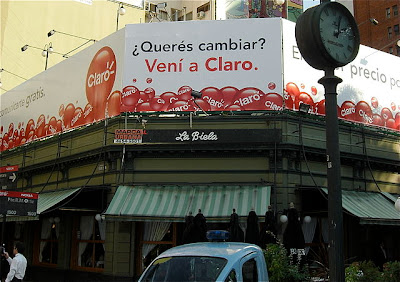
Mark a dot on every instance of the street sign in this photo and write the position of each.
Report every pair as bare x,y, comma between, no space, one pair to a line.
8,177
18,203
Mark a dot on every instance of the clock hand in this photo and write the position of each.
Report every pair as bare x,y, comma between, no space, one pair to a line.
338,27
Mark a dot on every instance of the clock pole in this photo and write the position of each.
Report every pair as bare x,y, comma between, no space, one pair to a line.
335,213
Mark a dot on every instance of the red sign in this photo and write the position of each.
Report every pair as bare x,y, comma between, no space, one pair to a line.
9,168
15,194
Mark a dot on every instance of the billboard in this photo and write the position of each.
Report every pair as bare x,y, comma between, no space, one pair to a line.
369,93
237,65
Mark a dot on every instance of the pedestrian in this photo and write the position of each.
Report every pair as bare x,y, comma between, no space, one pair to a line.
17,264
235,232
252,230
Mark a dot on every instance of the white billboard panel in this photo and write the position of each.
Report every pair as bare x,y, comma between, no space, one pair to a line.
75,92
236,64
369,93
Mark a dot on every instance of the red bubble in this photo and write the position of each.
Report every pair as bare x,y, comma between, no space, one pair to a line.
158,104
233,108
390,123
204,106
180,106
150,92
292,90
320,107
60,126
250,99
184,93
88,114
374,102
386,114
144,107
314,90
228,94
377,120
397,119
68,115
363,112
1,130
271,86
143,97
10,128
114,104
100,80
169,97
129,98
77,118
30,125
305,98
214,98
393,106
52,128
288,101
41,122
149,80
134,80
273,102
348,110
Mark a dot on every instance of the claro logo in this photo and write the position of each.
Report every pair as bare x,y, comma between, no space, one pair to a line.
100,80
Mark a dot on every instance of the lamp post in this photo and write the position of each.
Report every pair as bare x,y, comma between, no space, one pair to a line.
120,11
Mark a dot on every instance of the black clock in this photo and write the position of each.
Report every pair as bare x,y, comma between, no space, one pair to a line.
327,36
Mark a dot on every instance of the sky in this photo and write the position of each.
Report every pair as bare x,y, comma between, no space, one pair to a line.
309,3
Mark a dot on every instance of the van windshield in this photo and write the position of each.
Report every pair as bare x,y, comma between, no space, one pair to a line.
185,269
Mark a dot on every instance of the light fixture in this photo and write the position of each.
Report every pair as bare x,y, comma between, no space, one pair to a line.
283,218
307,219
304,108
52,32
197,95
122,10
279,2
56,219
397,204
100,217
374,21
48,49
371,20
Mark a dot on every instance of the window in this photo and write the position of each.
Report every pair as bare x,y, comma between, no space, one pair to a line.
88,240
390,50
231,277
48,242
163,15
387,13
396,29
249,271
395,10
204,8
389,32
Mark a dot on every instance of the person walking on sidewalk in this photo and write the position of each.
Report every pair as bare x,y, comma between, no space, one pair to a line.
17,264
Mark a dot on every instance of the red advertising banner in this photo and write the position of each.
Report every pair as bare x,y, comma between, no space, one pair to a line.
10,168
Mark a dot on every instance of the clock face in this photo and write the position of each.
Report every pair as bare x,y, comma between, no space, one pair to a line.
339,33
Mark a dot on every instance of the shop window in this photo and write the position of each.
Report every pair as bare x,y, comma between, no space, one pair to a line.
387,13
47,253
88,244
396,29
395,10
156,238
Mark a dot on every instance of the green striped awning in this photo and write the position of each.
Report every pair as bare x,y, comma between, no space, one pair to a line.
149,203
50,199
370,207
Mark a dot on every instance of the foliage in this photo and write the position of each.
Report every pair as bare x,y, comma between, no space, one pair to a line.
280,268
391,271
364,271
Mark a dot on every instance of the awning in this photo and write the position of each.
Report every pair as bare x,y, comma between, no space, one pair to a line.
370,207
48,200
173,203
